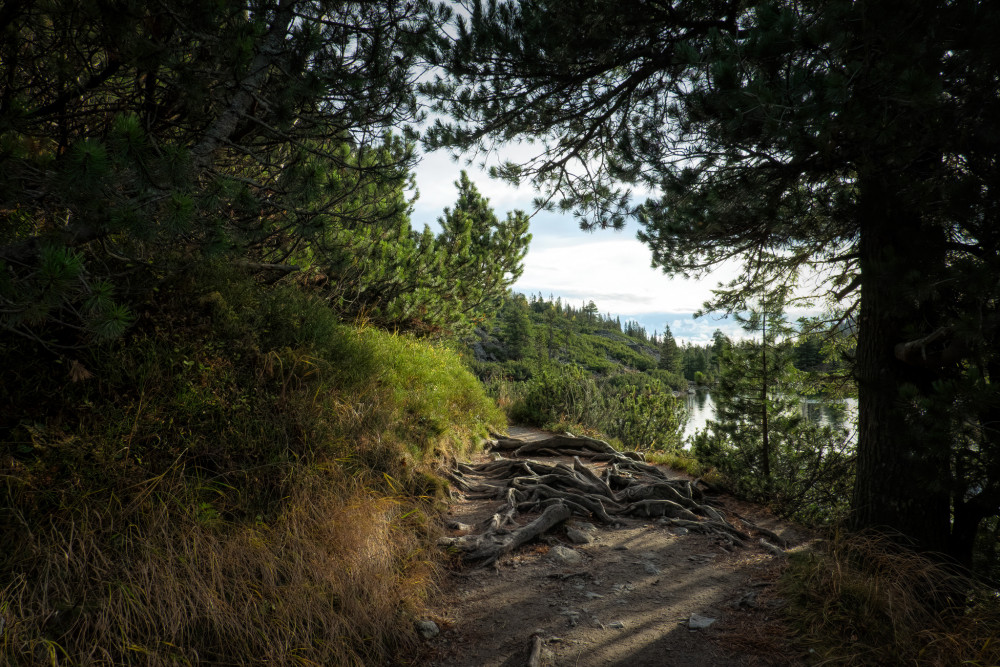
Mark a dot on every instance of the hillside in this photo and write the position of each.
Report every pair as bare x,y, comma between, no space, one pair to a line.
241,479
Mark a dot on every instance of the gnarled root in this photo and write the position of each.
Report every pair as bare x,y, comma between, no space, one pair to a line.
627,487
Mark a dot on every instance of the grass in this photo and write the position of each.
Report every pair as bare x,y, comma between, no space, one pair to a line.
862,600
244,480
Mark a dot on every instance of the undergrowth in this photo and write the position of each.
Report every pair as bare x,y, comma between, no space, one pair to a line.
242,480
862,600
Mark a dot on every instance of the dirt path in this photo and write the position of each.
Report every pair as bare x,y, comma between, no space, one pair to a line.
635,597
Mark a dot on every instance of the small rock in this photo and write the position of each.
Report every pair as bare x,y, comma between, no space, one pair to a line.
650,568
427,629
592,595
617,625
458,525
621,547
573,617
578,536
565,555
680,531
696,622
584,526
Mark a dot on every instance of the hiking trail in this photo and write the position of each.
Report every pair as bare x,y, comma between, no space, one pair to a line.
568,553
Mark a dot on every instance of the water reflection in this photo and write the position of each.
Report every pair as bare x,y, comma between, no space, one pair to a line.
700,408
841,414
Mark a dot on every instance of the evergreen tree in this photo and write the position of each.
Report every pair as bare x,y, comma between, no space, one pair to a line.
137,138
668,352
515,325
759,437
856,135
481,255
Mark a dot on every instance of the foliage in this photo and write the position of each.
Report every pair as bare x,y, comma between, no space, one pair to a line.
636,409
516,327
675,381
668,352
137,138
237,479
647,417
378,270
583,370
130,155
764,446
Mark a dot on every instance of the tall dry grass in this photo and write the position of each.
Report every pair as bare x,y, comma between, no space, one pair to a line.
335,578
864,600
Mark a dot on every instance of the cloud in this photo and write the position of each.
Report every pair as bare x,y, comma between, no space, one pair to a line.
614,272
611,268
436,175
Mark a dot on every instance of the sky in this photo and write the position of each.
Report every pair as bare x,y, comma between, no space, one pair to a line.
611,268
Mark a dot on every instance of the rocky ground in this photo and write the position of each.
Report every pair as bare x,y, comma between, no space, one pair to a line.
637,591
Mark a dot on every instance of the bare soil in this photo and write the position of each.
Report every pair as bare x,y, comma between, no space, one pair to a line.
629,601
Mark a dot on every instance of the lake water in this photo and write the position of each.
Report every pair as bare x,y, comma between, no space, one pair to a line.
839,414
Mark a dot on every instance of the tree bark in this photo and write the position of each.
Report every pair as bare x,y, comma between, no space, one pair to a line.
903,449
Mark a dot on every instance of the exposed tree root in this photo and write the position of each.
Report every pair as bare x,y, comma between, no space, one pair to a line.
627,487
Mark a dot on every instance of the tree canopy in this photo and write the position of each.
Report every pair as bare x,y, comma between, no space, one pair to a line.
854,139
136,136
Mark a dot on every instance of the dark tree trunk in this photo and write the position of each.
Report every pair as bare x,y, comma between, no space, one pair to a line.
968,516
766,453
903,462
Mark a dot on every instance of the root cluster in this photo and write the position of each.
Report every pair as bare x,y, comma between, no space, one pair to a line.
627,487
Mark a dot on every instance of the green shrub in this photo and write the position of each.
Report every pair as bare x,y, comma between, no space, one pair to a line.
675,381
632,407
559,393
812,470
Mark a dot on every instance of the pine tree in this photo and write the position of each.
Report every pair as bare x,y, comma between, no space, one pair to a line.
139,138
759,437
516,328
668,352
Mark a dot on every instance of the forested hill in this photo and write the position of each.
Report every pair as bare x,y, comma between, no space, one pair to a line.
531,332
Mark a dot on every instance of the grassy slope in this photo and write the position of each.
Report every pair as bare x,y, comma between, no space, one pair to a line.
243,480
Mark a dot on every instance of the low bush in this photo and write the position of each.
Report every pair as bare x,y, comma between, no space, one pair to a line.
633,408
812,469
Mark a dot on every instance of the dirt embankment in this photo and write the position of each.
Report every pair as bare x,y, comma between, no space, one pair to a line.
634,590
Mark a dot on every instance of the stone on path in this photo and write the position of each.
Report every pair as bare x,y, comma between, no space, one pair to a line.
650,568
578,536
697,622
565,555
584,526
